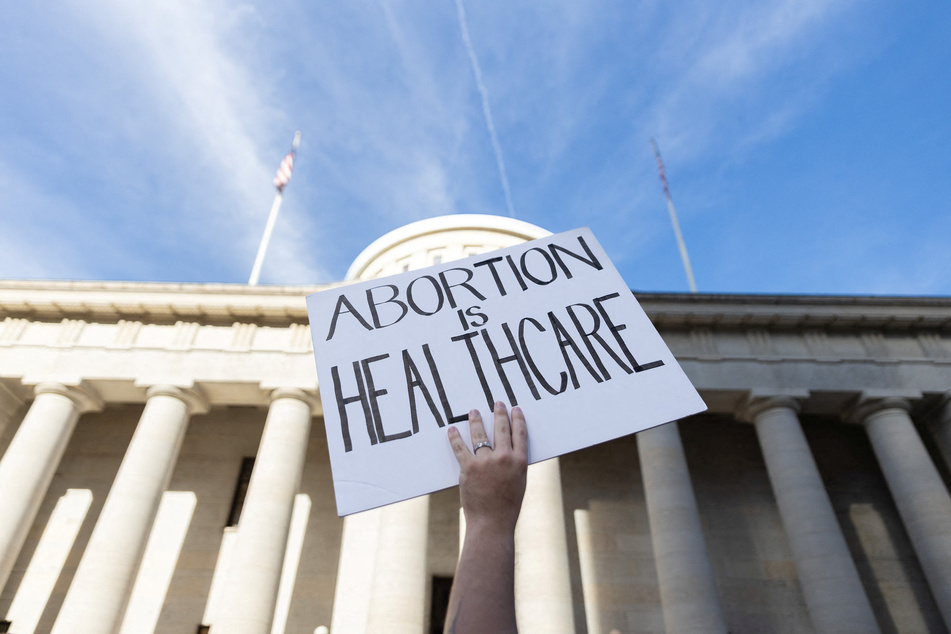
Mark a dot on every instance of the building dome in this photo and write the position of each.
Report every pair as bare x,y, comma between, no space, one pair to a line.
439,239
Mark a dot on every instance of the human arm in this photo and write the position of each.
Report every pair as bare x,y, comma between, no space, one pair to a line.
491,488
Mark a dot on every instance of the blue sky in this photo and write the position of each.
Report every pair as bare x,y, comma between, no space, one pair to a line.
807,143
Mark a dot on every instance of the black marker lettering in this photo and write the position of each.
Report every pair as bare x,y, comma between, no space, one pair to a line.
412,302
616,329
551,267
413,382
447,287
342,301
342,403
518,276
557,250
373,394
441,389
481,318
564,342
531,362
495,274
593,334
477,365
500,362
392,300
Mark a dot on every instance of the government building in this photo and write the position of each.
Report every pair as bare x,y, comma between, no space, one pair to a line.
164,468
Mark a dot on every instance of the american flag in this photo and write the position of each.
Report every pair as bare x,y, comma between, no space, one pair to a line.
660,169
283,175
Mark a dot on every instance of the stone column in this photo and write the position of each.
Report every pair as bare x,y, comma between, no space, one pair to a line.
254,572
361,532
688,589
398,588
31,460
101,587
919,493
543,601
830,582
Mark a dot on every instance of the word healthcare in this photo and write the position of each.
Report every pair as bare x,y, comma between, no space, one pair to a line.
548,325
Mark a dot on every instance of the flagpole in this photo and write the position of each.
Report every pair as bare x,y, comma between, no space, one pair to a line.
272,217
265,240
673,219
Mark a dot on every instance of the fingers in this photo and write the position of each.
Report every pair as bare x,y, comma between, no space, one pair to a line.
476,429
508,434
519,432
503,431
459,447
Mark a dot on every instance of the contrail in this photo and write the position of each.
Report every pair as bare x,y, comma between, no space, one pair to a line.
485,106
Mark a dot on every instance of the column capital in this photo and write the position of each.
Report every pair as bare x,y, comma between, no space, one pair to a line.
311,400
193,398
82,394
867,405
757,402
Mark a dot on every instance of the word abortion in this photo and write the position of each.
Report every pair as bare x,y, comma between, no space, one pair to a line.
427,295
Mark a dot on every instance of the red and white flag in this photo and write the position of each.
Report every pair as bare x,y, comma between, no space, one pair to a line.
283,175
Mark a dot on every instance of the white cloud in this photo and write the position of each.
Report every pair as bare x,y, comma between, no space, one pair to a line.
486,107
194,58
735,54
762,37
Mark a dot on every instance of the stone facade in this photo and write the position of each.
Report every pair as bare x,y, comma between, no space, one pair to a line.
811,497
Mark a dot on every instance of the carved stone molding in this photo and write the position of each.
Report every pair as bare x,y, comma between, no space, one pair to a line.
757,402
193,397
868,405
83,394
312,400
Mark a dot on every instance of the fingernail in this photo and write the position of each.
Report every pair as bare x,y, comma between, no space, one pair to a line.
499,405
517,409
473,413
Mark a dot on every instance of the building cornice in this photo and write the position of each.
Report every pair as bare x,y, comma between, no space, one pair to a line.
276,305
797,312
156,302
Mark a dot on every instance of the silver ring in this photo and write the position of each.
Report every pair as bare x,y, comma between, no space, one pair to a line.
484,443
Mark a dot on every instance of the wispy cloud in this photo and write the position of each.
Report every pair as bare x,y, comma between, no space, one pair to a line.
190,58
486,110
732,57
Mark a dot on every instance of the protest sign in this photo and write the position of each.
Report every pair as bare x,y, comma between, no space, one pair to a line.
548,325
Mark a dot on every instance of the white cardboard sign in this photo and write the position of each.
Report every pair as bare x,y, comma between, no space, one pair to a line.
548,325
